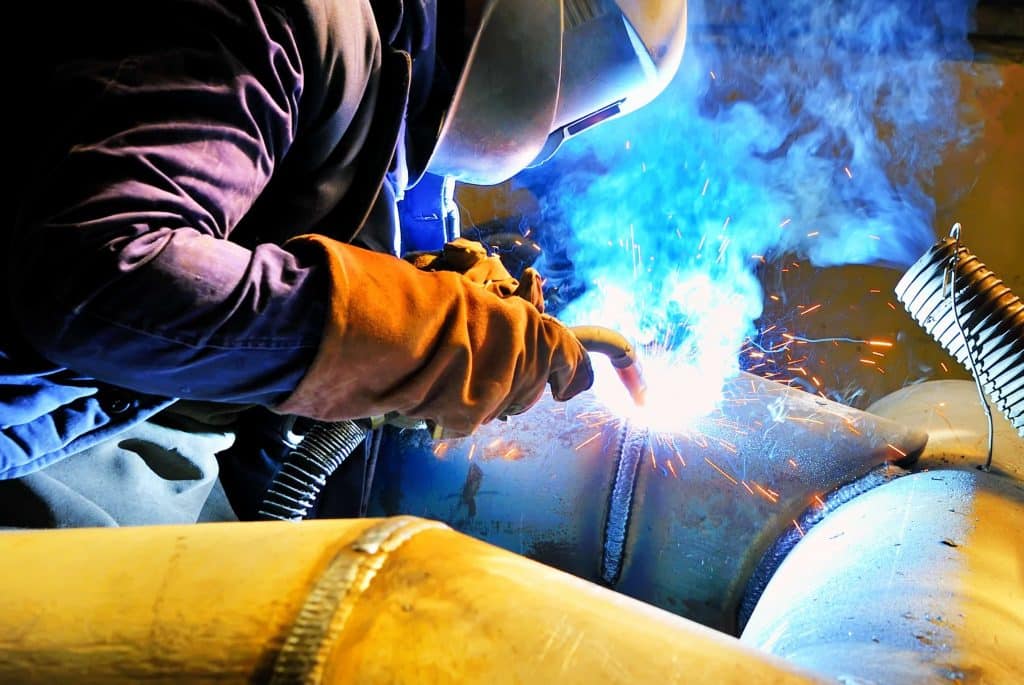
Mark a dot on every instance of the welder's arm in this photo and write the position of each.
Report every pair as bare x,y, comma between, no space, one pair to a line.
429,345
124,265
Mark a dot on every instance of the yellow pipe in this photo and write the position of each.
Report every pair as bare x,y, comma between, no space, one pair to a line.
342,601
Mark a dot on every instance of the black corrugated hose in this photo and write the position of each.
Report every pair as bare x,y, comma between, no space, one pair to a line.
970,312
297,485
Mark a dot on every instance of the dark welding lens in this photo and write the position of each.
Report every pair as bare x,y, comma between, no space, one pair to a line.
564,133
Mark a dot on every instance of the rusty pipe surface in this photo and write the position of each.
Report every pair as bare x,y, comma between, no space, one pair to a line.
678,519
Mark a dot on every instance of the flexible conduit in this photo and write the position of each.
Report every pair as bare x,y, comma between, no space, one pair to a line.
984,331
306,468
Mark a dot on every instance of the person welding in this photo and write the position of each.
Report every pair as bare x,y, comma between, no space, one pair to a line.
206,231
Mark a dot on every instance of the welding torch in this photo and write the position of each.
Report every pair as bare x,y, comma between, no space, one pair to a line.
327,445
620,352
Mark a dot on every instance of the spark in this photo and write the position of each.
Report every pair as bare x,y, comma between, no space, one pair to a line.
896,449
810,309
849,174
728,445
472,449
798,528
721,250
587,441
717,468
805,419
767,494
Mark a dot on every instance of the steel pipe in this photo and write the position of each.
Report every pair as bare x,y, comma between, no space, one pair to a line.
357,601
678,519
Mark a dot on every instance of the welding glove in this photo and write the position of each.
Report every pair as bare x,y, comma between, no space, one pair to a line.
470,259
430,345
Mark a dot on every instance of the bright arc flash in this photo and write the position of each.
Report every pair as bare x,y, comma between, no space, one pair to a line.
678,393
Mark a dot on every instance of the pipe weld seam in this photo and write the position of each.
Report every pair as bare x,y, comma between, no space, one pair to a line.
620,502
321,618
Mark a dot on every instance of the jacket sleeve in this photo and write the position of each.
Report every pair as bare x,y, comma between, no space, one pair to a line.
123,264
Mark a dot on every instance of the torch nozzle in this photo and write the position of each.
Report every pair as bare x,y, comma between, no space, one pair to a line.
621,354
633,378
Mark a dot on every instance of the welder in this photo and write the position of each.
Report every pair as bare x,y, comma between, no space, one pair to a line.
205,237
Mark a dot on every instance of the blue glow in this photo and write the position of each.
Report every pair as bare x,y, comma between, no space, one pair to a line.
794,127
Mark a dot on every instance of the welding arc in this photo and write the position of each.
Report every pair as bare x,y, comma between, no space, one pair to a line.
981,325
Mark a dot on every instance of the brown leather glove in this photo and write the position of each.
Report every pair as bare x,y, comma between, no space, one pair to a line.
470,259
431,345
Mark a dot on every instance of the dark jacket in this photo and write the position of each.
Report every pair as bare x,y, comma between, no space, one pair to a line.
168,149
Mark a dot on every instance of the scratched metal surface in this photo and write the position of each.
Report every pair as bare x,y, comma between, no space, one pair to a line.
703,504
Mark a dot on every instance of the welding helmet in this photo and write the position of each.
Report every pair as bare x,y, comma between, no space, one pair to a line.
540,71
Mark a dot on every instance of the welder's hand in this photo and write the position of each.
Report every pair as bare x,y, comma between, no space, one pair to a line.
470,259
431,345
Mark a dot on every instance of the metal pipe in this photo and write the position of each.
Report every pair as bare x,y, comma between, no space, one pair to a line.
343,601
679,519
916,581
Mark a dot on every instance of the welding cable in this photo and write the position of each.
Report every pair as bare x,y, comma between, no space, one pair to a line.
620,352
974,317
304,473
950,276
